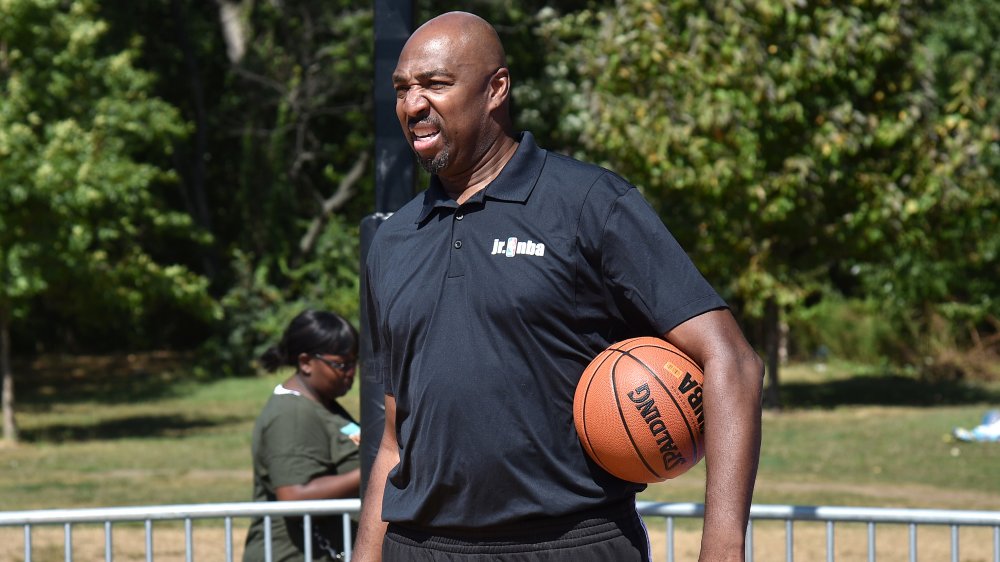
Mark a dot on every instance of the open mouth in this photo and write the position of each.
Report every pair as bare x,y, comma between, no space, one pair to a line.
424,137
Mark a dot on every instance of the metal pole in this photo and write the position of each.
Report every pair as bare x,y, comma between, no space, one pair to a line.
149,540
27,543
107,542
229,539
69,542
394,187
789,542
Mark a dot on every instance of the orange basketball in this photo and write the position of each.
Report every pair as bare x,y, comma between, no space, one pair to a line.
638,410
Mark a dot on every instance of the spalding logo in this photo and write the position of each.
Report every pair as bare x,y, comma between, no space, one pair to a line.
644,402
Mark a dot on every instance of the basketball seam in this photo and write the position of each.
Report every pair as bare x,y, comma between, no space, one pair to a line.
621,415
694,443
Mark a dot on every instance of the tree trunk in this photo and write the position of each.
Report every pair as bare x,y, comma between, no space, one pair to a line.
9,425
198,201
772,340
343,194
234,30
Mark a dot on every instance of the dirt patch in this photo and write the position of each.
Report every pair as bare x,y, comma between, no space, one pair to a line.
128,542
850,542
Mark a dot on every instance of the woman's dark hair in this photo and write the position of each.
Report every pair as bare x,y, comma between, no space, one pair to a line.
312,332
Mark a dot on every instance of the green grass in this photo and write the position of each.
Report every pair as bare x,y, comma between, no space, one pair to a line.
137,437
852,435
121,434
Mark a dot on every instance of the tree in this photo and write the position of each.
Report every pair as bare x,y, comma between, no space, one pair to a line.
784,141
938,268
80,146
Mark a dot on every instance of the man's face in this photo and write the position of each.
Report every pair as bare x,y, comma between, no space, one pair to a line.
441,103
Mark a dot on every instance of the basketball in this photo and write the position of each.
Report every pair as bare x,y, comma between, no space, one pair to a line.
638,410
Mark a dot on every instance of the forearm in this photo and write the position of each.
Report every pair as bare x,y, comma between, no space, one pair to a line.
333,486
732,391
372,528
732,443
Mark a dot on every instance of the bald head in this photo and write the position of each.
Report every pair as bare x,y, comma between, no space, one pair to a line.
468,34
452,98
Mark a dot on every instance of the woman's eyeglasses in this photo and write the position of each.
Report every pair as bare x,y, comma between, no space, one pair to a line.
336,365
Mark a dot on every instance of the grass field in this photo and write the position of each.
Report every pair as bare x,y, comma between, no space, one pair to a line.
139,431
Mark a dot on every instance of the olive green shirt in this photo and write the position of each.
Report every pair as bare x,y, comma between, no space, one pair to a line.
294,441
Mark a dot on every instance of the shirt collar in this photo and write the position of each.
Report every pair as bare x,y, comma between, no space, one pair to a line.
515,182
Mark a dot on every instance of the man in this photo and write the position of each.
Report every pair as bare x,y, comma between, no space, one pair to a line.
489,295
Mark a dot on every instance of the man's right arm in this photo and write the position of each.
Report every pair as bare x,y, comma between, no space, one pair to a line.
372,529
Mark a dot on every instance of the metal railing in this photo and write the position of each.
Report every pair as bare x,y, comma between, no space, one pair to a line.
186,513
872,517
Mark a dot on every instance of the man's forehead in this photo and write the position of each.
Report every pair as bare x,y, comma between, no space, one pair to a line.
433,57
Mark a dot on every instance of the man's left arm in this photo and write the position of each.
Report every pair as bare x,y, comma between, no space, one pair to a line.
732,401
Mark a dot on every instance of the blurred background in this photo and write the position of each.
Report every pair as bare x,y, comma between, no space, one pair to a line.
178,178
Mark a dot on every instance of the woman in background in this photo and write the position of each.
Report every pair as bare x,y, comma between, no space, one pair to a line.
305,444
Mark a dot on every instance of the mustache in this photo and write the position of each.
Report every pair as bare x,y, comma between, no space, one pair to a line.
414,121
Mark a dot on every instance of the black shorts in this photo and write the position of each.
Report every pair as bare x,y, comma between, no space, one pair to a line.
615,535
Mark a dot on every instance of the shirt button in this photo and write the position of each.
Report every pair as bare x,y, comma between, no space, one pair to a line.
459,216
458,244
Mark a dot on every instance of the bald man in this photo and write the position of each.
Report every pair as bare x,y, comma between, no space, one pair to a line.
489,293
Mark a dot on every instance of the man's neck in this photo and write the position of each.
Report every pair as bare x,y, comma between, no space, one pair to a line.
463,186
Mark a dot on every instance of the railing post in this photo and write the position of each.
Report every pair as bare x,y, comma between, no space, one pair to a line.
996,543
670,539
149,540
348,543
108,550
307,537
954,543
68,541
27,543
789,541
229,539
829,542
268,557
188,541
871,542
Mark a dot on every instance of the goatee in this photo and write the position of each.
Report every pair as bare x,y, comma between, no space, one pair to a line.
435,164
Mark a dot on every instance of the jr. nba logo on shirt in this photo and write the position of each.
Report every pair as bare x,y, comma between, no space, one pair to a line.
514,247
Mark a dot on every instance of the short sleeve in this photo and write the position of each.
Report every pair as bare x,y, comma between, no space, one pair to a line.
646,268
296,448
376,366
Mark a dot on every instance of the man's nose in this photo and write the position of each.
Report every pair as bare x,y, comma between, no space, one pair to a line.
414,102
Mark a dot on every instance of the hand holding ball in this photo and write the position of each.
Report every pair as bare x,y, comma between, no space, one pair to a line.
638,410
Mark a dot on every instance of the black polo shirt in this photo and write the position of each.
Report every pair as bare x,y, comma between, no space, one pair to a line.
485,315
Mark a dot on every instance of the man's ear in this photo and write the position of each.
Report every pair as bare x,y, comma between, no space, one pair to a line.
499,90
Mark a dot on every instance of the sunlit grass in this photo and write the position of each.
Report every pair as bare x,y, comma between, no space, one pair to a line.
170,437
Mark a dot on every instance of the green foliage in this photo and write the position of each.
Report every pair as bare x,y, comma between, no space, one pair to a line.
799,149
297,111
81,149
835,328
939,259
268,295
